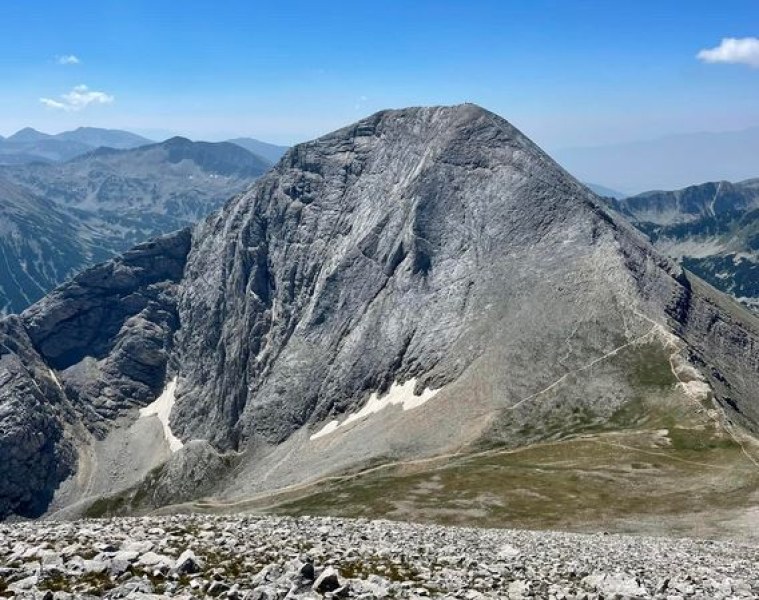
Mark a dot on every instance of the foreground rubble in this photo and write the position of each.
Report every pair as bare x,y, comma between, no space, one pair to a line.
272,558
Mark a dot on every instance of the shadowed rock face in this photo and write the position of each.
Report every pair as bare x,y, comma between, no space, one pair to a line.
108,335
35,455
437,244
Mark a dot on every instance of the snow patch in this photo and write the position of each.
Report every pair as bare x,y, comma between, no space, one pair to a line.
398,394
326,430
54,377
161,408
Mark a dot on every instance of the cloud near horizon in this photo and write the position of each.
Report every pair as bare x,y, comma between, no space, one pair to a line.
77,99
742,51
67,59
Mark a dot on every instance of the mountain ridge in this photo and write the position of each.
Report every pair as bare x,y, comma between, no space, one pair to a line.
271,152
29,145
433,249
711,228
110,200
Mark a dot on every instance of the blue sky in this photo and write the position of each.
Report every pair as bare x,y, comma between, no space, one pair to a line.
566,72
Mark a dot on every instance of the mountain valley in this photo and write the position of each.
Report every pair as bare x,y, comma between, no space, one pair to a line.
712,229
61,218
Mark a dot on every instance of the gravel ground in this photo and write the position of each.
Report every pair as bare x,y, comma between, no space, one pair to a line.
276,557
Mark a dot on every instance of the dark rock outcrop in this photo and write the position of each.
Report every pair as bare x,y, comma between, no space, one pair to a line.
85,354
36,456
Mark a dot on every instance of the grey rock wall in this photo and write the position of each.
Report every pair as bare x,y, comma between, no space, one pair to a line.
435,244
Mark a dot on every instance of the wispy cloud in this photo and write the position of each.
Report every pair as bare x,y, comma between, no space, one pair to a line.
743,51
360,102
67,59
77,99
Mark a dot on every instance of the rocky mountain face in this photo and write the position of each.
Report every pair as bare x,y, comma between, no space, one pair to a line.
61,218
712,229
426,282
29,145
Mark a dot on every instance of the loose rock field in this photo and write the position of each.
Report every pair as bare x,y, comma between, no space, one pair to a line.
275,558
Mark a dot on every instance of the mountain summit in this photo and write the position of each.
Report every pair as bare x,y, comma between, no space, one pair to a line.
28,134
425,282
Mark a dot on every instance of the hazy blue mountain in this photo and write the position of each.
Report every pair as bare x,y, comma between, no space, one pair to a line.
604,191
667,163
112,138
15,150
712,229
270,152
29,145
59,218
28,134
21,158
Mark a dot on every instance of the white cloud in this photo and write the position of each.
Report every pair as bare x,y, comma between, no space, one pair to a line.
77,99
52,103
744,51
67,59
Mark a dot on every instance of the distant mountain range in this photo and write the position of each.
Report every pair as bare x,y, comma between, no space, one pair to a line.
270,152
712,229
58,218
667,163
602,190
29,145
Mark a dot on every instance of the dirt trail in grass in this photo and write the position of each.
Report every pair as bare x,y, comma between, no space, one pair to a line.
667,455
461,454
591,364
213,504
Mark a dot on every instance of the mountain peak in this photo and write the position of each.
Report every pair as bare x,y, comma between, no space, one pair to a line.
422,280
177,140
455,113
97,137
476,129
464,135
28,134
